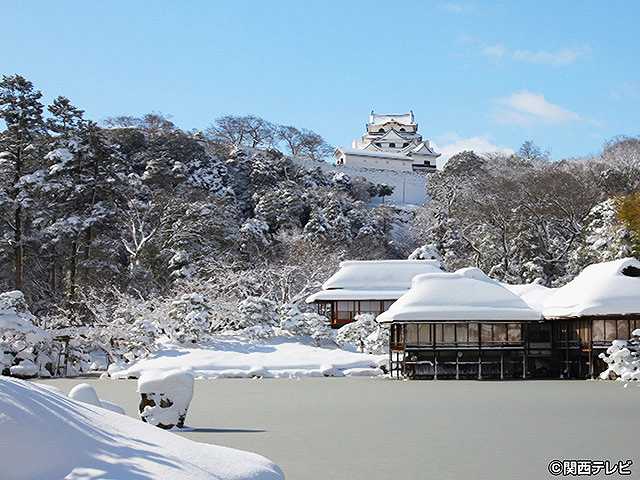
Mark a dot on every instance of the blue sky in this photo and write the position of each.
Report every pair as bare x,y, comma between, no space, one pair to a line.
480,75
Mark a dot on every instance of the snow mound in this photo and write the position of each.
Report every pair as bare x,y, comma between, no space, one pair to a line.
608,288
47,435
467,294
234,357
83,392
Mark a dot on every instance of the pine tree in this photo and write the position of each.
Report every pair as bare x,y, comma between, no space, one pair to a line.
21,110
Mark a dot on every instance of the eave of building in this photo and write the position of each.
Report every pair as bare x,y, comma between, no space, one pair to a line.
392,135
377,154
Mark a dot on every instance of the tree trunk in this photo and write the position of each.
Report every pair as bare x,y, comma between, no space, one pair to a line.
18,250
73,270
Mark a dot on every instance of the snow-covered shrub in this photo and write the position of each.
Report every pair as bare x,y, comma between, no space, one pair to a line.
426,252
24,348
364,335
256,318
188,320
298,323
166,396
623,359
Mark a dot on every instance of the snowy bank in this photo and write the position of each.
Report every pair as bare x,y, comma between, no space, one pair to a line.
235,357
47,435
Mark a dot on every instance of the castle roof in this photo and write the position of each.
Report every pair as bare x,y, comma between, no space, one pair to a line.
382,118
374,153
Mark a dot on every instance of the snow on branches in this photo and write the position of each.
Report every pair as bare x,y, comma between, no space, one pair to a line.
623,359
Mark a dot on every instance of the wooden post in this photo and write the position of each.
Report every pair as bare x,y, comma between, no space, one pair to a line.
592,367
479,351
435,366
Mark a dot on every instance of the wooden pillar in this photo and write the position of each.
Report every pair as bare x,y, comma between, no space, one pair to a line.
525,347
435,366
591,366
392,332
479,351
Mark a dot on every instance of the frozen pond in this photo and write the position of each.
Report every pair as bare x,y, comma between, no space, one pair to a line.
379,429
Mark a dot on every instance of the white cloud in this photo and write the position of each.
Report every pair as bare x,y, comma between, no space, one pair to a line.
453,143
454,7
495,51
527,108
557,58
561,57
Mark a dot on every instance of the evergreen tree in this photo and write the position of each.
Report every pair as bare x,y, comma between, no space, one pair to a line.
21,110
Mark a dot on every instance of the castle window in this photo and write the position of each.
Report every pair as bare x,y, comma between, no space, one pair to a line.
381,130
392,145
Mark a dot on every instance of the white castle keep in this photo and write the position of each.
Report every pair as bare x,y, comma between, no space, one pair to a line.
391,142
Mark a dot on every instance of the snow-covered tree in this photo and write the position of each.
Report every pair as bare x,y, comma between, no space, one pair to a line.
623,359
295,322
364,334
21,111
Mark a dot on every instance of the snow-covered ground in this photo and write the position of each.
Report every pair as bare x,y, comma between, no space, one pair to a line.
234,357
46,435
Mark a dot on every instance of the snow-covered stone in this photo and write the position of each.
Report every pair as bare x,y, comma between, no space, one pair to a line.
166,395
83,392
25,369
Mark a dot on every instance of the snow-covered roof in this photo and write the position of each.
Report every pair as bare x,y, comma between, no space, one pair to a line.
467,294
373,279
423,149
609,288
382,118
533,294
354,294
394,136
369,153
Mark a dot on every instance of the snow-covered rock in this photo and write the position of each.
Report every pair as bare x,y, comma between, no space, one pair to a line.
166,395
25,369
83,392
45,435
